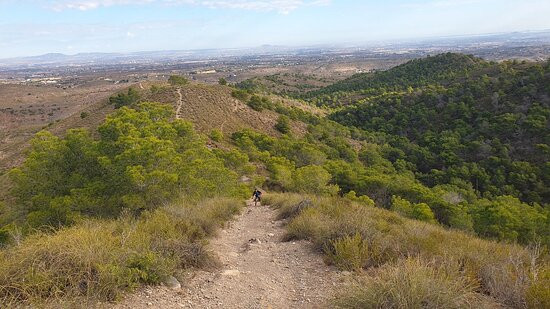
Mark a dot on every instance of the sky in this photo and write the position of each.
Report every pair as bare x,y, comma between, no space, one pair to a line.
33,27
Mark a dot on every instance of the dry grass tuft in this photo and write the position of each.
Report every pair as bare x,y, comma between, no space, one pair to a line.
98,260
411,283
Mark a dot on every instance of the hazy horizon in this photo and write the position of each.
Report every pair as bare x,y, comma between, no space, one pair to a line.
31,28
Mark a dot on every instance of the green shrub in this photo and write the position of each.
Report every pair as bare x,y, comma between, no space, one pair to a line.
4,236
216,135
420,211
282,176
222,81
313,179
256,103
507,218
363,199
84,115
283,124
177,80
240,94
125,99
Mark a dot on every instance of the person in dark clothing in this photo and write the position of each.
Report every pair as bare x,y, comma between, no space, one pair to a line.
257,196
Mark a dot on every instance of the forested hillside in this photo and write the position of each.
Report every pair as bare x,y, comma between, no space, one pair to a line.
450,138
489,131
419,72
478,129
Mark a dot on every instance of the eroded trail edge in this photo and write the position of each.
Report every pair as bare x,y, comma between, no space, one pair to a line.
259,271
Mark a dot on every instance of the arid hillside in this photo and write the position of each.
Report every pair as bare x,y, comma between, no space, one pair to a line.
211,107
26,109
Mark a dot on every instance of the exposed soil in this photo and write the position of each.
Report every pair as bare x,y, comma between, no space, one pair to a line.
259,271
211,107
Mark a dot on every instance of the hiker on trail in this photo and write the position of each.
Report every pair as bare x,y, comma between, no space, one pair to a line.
257,196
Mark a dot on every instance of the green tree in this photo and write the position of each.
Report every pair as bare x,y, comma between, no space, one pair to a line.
125,99
507,218
313,179
178,80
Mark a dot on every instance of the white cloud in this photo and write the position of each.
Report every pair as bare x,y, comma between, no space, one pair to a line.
281,6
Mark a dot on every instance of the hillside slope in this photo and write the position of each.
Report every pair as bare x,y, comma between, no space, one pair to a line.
435,69
211,107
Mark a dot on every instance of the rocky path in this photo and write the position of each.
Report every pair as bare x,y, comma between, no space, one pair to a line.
259,271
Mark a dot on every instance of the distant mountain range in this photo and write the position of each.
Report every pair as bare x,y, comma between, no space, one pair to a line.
450,43
144,56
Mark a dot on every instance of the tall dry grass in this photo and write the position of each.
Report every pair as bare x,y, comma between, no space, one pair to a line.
412,283
99,260
355,236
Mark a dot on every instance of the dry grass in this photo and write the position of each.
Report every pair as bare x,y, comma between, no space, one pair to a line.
212,107
412,283
98,260
349,252
352,234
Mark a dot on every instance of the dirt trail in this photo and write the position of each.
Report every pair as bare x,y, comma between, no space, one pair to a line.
259,271
179,104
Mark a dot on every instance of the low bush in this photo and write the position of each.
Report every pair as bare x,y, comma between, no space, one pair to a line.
99,259
349,252
216,135
258,103
239,94
283,124
124,99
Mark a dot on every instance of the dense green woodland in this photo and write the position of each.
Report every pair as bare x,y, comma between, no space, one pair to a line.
415,73
487,127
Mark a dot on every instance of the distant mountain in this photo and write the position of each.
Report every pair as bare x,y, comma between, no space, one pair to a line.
526,44
142,57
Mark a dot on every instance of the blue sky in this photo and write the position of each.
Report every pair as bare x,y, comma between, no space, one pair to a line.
32,27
